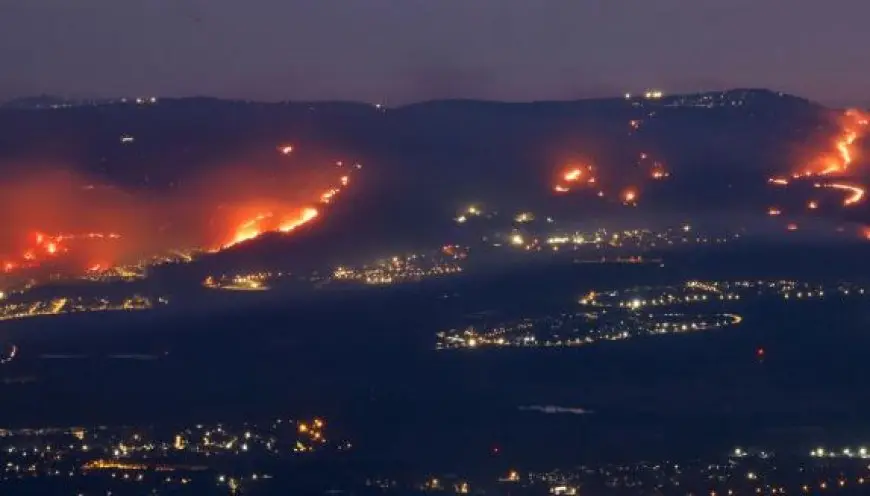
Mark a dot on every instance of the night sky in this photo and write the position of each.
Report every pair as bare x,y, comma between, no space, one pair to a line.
407,50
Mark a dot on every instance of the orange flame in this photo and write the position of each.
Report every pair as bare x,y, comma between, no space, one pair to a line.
856,193
853,126
264,222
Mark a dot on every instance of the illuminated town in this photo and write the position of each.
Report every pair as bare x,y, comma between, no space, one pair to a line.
613,315
238,458
532,232
57,306
742,471
202,456
408,268
247,282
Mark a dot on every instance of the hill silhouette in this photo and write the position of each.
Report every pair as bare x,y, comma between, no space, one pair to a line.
426,160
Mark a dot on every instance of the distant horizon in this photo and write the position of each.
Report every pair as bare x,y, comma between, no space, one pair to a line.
416,50
387,103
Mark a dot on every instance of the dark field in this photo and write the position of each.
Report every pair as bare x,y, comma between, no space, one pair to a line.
364,360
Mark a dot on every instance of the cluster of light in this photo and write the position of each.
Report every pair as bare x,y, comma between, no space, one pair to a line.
656,168
310,433
524,217
112,465
9,355
706,291
470,211
12,311
156,454
245,282
522,334
861,452
601,239
659,173
623,314
400,269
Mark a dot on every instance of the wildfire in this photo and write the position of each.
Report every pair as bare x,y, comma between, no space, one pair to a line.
307,215
853,126
838,161
576,176
573,175
282,222
44,247
227,206
249,229
629,197
856,193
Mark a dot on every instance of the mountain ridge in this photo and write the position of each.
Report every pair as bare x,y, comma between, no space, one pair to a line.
47,101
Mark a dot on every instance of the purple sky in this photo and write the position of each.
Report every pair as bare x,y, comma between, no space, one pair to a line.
405,50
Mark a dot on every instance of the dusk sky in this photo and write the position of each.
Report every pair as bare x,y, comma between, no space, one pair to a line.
407,50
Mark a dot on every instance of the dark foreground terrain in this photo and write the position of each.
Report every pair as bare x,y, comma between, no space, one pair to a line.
365,360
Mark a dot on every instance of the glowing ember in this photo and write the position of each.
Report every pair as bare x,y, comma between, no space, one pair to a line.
856,193
573,175
658,171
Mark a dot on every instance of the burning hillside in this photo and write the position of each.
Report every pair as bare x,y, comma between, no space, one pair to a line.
62,222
